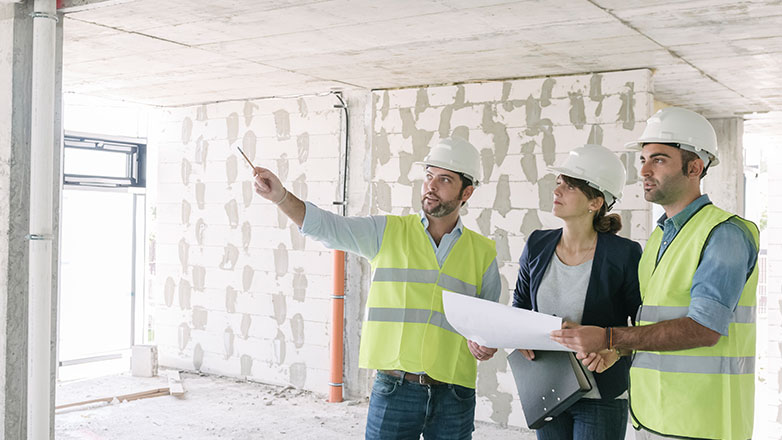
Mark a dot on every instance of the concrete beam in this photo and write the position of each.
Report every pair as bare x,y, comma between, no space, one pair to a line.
66,6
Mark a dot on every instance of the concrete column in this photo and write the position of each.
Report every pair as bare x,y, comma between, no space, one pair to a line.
771,416
725,182
17,26
357,269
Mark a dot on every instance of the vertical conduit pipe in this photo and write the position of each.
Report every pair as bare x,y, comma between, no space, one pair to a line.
338,296
39,394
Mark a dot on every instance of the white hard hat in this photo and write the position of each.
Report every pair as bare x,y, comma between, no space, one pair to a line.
599,167
674,125
457,155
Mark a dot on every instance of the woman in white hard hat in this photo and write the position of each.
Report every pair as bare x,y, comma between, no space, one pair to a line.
586,274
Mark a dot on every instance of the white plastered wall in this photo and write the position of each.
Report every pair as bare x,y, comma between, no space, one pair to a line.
234,287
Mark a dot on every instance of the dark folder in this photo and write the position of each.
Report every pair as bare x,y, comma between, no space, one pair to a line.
548,385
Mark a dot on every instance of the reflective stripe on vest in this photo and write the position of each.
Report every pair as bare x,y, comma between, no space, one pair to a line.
742,315
412,316
446,281
694,364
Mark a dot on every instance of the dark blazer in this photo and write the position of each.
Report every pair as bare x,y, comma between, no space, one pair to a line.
612,295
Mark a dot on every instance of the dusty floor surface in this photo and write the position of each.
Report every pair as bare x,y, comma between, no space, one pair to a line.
216,408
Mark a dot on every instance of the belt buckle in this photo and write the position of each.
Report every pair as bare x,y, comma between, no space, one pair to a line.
422,379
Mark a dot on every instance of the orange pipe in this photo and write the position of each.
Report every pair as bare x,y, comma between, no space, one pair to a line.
337,327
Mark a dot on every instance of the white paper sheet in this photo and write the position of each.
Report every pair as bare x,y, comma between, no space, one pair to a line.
499,326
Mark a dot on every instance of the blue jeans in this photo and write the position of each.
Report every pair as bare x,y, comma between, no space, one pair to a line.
399,409
588,419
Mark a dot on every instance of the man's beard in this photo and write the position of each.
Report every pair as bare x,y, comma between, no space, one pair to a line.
443,208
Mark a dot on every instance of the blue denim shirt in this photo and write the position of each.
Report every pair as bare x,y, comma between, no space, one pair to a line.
728,260
364,235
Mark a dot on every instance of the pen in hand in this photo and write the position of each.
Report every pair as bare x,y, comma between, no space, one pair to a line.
246,158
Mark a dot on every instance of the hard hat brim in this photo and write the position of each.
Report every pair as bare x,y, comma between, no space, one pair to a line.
447,166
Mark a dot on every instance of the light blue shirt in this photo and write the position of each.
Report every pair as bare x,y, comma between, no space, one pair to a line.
728,260
364,235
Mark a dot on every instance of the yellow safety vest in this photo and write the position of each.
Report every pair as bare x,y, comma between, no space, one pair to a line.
405,327
705,392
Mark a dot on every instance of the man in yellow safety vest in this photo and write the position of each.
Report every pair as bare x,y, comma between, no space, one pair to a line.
693,373
425,382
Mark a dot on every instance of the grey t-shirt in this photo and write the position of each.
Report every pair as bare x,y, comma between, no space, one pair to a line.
562,292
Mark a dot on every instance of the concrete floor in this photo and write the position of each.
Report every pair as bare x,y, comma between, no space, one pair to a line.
217,408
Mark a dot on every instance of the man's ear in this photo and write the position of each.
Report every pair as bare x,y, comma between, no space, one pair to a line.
695,168
467,192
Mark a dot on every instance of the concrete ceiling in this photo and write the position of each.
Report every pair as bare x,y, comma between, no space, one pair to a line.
719,57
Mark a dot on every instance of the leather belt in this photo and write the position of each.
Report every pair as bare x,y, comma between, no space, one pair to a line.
421,379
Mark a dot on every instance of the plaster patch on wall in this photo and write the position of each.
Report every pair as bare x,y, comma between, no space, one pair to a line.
199,278
183,336
280,260
280,308
187,130
502,196
385,106
595,135
283,167
445,121
506,88
200,227
298,241
200,316
627,223
577,110
244,327
232,211
228,342
246,362
298,374
249,108
247,278
232,127
545,91
230,299
498,132
186,209
484,222
184,253
303,146
247,231
201,115
231,169
529,164
381,149
533,111
487,162
629,161
503,248
530,223
200,190
302,103
626,111
546,187
420,138
250,145
548,145
462,131
198,357
300,187
247,193
299,284
421,101
382,193
282,123
278,347
406,161
596,92
230,256
488,386
415,195
201,151
297,330
186,171
168,292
